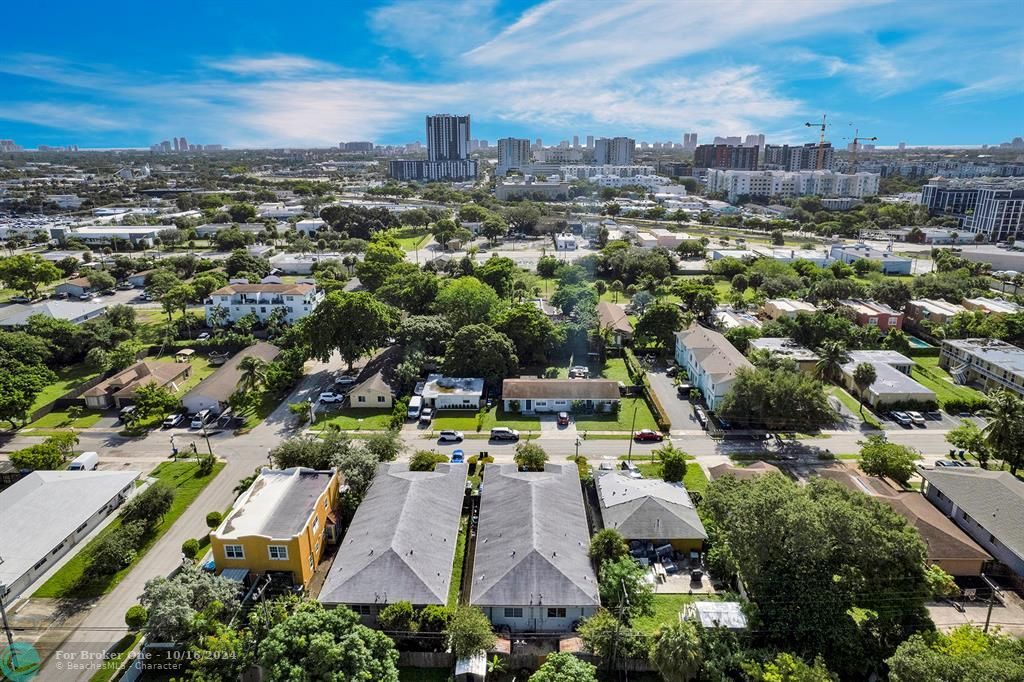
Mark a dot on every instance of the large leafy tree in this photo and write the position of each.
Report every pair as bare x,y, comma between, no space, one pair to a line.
858,564
382,257
962,655
352,323
20,384
1004,432
477,350
607,545
624,589
879,457
314,643
429,333
969,437
173,603
26,272
499,273
465,301
564,667
530,330
469,631
154,399
530,456
779,399
409,288
659,324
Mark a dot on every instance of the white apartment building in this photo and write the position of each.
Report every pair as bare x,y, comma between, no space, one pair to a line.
262,299
989,363
648,182
513,154
581,172
767,183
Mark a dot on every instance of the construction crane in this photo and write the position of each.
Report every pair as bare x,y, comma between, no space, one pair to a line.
821,143
856,142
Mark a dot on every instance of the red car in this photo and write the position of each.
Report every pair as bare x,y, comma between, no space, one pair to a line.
647,434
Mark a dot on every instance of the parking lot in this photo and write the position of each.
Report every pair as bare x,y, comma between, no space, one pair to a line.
932,420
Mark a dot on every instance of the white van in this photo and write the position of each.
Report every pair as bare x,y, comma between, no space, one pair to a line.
86,461
415,405
201,418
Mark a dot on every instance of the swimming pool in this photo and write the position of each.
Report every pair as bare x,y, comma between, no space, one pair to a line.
917,343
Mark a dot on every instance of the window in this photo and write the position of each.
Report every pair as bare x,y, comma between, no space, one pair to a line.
316,523
516,612
325,502
380,399
556,612
316,547
363,609
361,399
311,562
234,552
278,552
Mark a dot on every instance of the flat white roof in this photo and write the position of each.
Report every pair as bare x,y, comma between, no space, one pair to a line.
41,510
437,385
276,505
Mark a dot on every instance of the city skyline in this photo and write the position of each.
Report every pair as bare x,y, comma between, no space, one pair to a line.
521,69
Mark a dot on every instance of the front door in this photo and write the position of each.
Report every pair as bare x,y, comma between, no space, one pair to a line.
529,406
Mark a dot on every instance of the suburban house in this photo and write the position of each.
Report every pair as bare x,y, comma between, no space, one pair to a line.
710,361
786,307
215,391
889,262
296,300
138,280
650,510
612,317
75,312
74,287
401,543
727,318
559,395
992,306
56,511
310,226
987,505
946,545
873,314
372,392
452,393
931,310
281,525
531,569
893,383
743,473
782,347
120,389
990,363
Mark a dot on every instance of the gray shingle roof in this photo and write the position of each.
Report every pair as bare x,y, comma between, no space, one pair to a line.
713,351
223,382
532,540
401,543
995,499
648,508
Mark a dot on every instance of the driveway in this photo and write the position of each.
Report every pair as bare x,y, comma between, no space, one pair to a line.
680,412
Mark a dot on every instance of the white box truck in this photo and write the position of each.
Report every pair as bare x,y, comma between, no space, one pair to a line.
87,461
415,405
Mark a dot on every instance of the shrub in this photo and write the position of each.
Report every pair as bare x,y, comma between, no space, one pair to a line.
972,405
117,549
425,460
149,506
136,617
660,415
399,413
673,465
397,617
213,519
190,548
206,465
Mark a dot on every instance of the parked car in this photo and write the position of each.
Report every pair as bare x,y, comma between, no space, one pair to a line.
173,420
331,397
20,299
683,391
916,418
345,380
579,372
450,437
203,337
125,286
458,457
87,296
648,435
672,371
126,413
201,418
563,418
87,461
606,466
426,415
902,418
702,418
504,433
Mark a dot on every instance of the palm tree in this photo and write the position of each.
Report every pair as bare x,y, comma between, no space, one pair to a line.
831,358
864,375
677,652
617,289
253,373
1004,431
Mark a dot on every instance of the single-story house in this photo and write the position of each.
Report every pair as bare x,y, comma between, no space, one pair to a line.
559,395
893,383
214,391
786,307
987,505
650,510
372,392
452,393
120,389
74,287
531,570
612,316
55,510
805,358
401,543
75,312
138,279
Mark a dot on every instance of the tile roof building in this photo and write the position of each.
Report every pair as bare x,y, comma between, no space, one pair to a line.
613,317
401,543
531,570
120,389
650,510
710,361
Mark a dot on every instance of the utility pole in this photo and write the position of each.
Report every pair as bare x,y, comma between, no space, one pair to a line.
991,599
632,427
7,627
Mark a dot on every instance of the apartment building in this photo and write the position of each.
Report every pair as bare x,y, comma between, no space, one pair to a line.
786,307
262,300
710,360
990,363
889,262
991,207
873,314
930,310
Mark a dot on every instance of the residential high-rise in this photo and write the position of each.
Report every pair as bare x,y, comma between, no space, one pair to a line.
993,208
513,154
755,140
182,144
806,157
689,141
357,147
733,140
447,137
725,156
590,141
616,151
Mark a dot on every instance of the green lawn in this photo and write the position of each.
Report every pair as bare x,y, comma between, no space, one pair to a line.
926,371
666,610
466,420
67,379
201,368
459,564
411,238
72,579
853,405
59,419
620,422
695,478
354,419
115,657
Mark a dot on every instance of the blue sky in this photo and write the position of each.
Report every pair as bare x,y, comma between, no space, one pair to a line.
261,74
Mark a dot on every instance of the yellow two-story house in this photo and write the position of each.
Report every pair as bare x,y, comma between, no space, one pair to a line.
282,524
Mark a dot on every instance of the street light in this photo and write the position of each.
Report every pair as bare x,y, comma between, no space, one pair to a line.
578,441
632,427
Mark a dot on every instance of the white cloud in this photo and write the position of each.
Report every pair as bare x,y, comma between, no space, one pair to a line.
272,65
66,116
433,27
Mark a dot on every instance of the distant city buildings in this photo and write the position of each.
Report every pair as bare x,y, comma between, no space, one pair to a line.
766,183
513,154
9,146
181,144
447,152
725,156
992,208
797,158
689,141
617,151
356,147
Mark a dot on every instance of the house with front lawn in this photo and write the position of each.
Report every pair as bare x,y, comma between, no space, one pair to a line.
215,391
373,392
987,505
400,545
119,390
893,384
531,569
650,510
452,393
711,362
529,396
281,526
612,317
